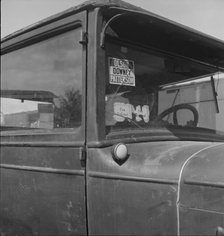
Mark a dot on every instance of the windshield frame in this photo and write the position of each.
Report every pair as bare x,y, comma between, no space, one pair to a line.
165,133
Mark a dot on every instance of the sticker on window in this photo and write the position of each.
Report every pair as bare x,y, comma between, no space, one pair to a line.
121,72
122,111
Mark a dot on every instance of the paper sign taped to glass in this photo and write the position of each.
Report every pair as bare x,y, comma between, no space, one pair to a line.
121,72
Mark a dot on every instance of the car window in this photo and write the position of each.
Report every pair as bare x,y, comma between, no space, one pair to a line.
41,85
145,90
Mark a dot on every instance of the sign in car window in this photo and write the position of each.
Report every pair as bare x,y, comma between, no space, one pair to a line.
121,71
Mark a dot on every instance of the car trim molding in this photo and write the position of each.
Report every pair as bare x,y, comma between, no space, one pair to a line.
180,179
43,169
105,175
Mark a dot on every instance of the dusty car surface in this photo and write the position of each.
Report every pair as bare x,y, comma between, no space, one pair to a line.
112,123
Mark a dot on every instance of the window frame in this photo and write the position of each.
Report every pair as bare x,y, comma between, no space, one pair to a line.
38,34
154,134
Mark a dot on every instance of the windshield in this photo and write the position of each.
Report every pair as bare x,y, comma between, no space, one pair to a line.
146,90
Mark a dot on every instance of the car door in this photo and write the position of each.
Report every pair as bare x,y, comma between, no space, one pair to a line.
43,130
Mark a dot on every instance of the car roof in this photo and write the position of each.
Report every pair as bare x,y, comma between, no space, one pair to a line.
195,37
87,5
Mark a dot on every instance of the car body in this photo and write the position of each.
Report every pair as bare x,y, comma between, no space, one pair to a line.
88,143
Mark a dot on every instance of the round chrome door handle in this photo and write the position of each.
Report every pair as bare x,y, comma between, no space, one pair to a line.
219,231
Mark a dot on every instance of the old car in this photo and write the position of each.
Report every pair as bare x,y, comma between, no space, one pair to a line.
112,123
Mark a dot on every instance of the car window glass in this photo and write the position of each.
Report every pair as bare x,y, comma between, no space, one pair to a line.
41,84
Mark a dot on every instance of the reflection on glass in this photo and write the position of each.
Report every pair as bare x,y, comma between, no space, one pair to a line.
145,90
41,84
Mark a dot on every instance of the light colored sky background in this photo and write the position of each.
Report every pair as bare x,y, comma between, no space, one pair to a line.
204,15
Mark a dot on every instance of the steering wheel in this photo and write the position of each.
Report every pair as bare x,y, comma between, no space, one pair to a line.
174,110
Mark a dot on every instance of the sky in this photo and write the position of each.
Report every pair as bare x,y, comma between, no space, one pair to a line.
203,15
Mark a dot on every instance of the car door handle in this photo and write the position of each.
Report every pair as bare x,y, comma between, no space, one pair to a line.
219,231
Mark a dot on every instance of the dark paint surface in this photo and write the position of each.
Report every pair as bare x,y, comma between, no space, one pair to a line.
202,193
138,197
44,200
199,222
